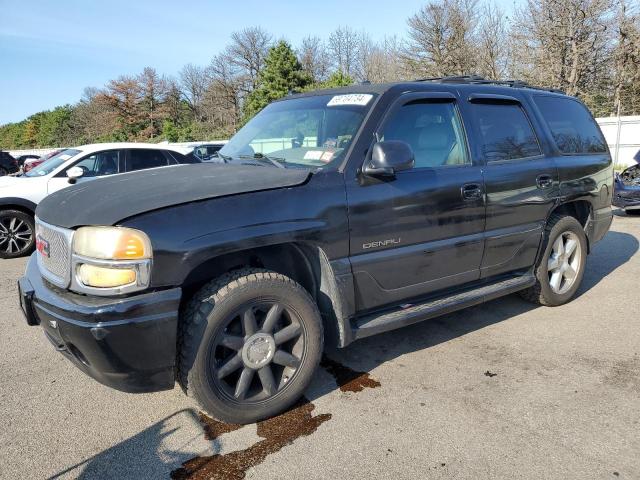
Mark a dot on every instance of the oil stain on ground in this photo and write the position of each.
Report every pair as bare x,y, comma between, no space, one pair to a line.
348,380
277,432
214,428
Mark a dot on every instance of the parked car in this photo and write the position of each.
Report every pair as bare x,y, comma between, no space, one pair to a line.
627,188
34,162
208,152
340,214
20,195
23,158
8,164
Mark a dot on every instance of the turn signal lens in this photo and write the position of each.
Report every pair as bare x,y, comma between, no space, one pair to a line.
103,277
112,243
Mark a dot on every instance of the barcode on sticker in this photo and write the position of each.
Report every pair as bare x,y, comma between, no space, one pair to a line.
350,99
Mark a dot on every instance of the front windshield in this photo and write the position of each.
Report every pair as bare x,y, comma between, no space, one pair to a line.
45,168
306,132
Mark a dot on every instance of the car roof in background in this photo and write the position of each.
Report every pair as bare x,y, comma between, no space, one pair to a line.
95,147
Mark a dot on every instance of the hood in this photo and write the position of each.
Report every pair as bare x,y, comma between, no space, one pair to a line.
106,201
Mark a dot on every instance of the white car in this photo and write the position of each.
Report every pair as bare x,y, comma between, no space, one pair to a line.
20,195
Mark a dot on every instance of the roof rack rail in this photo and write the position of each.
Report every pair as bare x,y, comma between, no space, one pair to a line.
479,80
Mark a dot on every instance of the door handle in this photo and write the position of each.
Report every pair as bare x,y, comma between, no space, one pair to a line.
544,181
472,191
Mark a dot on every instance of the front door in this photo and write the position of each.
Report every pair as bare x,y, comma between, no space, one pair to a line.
421,231
95,165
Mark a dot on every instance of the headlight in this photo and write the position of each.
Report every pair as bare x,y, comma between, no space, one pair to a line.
111,243
110,260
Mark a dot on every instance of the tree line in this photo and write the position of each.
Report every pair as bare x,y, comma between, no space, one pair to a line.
587,48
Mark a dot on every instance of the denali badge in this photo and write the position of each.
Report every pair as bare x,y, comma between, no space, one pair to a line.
42,246
381,243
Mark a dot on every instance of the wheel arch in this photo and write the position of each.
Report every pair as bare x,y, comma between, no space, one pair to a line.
20,204
581,210
307,264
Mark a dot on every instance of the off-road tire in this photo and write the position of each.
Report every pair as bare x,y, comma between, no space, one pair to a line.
208,311
541,293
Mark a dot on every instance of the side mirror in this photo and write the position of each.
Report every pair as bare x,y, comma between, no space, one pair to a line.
389,157
74,173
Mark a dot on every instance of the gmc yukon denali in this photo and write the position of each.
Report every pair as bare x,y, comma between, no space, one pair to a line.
336,215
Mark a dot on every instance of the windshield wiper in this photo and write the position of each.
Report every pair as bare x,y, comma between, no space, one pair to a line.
275,161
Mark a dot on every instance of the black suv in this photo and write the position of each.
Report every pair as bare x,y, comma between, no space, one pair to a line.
339,214
8,164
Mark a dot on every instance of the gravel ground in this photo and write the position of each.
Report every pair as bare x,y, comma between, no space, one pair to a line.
503,390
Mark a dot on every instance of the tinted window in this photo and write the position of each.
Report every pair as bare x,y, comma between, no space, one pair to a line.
100,163
571,125
505,131
140,159
434,132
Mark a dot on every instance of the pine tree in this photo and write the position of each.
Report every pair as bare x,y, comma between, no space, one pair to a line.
281,75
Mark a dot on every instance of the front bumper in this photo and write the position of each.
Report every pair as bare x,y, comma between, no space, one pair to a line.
125,343
626,196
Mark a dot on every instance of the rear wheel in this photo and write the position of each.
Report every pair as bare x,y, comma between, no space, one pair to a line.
16,233
249,344
561,266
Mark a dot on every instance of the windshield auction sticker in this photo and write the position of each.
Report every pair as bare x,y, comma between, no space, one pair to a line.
350,99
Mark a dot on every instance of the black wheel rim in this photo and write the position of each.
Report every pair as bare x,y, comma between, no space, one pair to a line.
257,353
15,235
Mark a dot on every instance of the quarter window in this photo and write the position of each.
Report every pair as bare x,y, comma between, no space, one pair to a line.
571,125
505,132
434,132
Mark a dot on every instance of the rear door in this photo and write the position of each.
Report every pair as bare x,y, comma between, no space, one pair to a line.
521,181
421,231
95,165
143,158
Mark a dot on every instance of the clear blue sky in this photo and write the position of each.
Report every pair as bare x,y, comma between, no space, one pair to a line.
51,50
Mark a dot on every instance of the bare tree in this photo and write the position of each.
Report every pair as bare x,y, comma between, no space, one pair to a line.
441,38
193,84
247,52
314,58
343,46
492,42
626,59
563,43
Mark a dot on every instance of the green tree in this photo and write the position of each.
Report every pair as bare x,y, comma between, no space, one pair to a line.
281,75
336,80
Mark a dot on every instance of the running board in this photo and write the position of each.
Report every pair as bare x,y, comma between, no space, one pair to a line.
378,323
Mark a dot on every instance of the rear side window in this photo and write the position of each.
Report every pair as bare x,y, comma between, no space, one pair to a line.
571,125
140,159
505,131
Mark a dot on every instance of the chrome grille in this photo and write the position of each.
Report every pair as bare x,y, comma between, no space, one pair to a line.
56,267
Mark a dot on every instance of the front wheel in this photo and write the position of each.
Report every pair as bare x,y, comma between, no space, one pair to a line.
249,344
17,236
560,269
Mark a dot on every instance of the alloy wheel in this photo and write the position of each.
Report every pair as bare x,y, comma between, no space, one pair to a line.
564,262
257,353
15,235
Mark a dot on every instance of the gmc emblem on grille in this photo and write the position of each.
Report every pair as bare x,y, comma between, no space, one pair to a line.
42,246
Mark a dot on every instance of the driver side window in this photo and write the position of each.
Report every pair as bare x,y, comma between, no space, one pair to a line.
434,132
100,164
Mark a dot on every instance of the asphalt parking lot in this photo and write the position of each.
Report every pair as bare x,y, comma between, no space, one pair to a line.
503,390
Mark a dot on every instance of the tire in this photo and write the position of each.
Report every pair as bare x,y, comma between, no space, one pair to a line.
632,212
225,325
547,291
3,172
17,233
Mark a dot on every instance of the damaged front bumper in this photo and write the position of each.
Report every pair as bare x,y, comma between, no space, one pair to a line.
126,343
